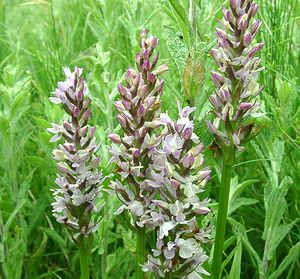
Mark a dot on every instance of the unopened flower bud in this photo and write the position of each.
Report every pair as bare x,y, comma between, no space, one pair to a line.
188,160
187,133
86,115
161,69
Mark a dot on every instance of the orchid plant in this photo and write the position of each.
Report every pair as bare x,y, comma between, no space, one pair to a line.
235,102
159,162
178,174
138,112
78,180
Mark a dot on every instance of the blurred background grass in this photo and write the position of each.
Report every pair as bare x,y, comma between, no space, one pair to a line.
39,37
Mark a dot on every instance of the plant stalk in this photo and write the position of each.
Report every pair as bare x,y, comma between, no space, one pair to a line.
229,158
84,255
168,275
140,252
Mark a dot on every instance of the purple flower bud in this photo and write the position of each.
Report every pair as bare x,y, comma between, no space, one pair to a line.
253,10
69,147
130,76
243,22
245,106
122,90
223,44
204,174
159,87
145,54
138,58
141,132
67,126
215,101
187,133
146,65
161,69
122,120
224,95
92,132
80,95
211,127
233,4
154,42
198,149
221,34
137,80
95,163
143,33
141,111
86,103
154,60
150,101
151,77
161,204
255,49
83,131
217,78
86,115
126,104
142,90
76,111
255,27
175,183
115,138
227,15
136,152
188,160
119,106
247,39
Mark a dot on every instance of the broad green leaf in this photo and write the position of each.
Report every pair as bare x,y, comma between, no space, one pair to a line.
176,47
193,76
182,20
293,255
239,230
275,206
39,252
235,190
238,202
19,106
56,237
235,271
12,217
279,234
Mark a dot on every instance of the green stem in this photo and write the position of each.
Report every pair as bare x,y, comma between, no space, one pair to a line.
84,255
228,162
140,252
168,275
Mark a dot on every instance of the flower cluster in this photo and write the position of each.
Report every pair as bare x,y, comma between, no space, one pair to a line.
235,102
79,181
138,112
178,174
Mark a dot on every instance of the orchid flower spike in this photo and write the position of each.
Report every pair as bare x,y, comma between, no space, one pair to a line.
78,179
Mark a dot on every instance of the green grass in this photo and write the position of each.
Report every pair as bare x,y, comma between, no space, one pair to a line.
39,37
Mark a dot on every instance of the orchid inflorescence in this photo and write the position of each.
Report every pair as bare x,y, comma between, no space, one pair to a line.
235,103
178,174
138,115
79,181
160,161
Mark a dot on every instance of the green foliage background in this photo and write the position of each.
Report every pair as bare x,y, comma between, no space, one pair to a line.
39,37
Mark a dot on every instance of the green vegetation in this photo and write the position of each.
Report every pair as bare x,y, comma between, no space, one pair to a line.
39,37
